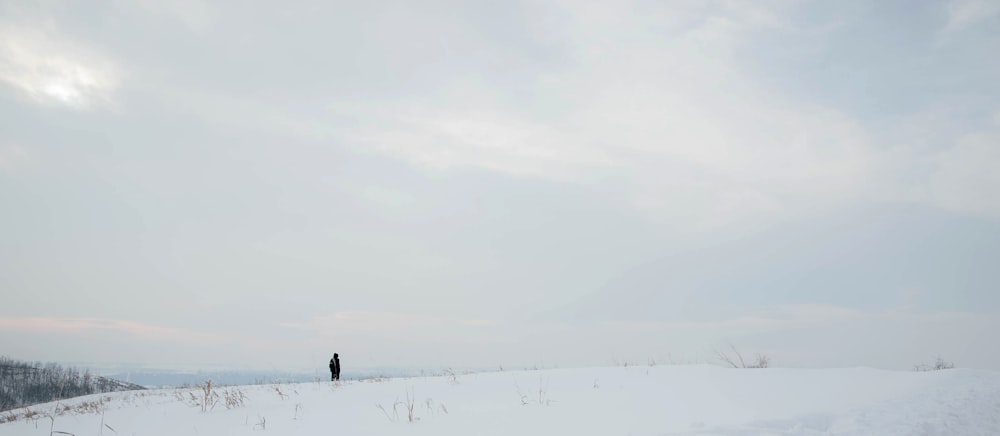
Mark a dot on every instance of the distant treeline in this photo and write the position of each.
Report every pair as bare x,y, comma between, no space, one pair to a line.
26,383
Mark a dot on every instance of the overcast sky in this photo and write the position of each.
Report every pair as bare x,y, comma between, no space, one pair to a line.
456,183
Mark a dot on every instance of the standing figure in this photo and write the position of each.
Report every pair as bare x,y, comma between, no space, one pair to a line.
335,367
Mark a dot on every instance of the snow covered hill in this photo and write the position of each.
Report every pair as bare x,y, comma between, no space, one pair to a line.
661,400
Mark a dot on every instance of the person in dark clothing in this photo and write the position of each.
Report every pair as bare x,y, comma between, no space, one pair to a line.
335,367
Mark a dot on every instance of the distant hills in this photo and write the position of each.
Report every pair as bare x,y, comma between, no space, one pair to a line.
166,378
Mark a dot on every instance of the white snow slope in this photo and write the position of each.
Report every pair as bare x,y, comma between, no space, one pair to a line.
660,400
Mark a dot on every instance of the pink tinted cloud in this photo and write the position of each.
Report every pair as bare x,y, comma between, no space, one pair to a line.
368,321
133,328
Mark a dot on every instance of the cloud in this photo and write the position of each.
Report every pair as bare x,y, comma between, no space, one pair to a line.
387,197
51,68
11,156
401,338
661,107
194,14
132,328
661,112
965,178
118,340
491,140
384,323
963,14
782,317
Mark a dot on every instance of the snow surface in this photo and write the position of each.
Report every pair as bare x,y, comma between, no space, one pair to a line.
660,400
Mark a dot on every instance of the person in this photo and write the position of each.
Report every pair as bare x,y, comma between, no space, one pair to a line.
335,367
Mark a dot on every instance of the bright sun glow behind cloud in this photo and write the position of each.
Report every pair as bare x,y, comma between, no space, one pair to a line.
48,68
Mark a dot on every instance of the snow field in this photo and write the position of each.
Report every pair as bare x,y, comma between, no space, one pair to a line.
660,400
